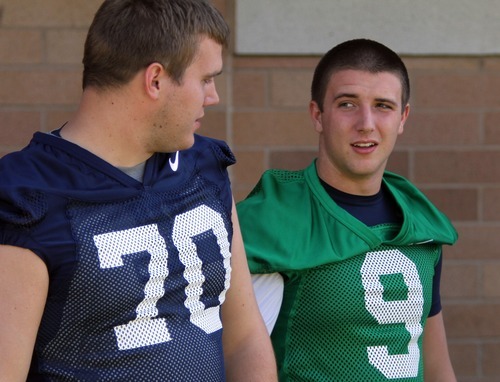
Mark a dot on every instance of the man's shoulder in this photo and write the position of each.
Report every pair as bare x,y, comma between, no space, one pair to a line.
206,146
202,142
23,165
427,219
398,180
278,184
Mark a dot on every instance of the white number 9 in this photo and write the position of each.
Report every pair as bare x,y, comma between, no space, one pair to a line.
407,311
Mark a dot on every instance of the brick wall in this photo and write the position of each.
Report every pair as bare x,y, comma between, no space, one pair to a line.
450,147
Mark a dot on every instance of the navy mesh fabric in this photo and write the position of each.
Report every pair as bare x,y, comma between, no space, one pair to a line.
138,272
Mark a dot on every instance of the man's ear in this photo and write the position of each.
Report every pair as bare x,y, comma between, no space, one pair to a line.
152,79
404,118
315,114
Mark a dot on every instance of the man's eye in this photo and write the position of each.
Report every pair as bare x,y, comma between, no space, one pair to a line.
346,104
384,106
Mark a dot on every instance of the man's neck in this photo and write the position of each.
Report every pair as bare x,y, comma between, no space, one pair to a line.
362,186
102,125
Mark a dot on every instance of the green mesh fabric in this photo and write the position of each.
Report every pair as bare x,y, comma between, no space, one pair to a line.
357,320
356,297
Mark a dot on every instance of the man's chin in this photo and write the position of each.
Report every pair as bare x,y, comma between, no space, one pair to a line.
179,146
187,144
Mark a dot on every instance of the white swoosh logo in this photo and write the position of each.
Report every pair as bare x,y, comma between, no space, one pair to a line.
175,164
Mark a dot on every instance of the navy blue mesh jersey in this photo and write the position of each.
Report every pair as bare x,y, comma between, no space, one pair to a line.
138,271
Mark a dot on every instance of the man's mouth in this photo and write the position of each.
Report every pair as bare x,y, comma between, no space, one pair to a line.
364,144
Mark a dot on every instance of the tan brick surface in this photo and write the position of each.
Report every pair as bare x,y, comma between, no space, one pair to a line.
221,6
49,13
291,88
452,91
491,204
491,280
221,87
441,129
65,46
275,62
460,166
417,65
491,90
492,128
476,242
491,63
457,204
17,127
459,280
491,359
249,167
450,147
250,89
465,358
479,321
214,125
292,160
277,128
56,118
19,46
399,162
240,192
40,87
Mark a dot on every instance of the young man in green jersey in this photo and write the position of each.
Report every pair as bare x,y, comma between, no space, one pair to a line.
346,256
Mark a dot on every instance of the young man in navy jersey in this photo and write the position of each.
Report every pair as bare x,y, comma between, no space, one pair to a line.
121,257
349,285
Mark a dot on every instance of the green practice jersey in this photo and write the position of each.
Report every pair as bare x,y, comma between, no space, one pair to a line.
356,298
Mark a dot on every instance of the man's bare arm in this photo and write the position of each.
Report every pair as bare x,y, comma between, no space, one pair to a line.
437,364
24,283
248,352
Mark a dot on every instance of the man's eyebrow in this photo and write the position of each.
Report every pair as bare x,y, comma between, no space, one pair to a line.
355,96
215,74
387,100
345,95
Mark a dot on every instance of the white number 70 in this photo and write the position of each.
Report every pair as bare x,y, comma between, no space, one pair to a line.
145,329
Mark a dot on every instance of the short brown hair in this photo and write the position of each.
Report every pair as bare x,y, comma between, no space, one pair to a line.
359,54
129,35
